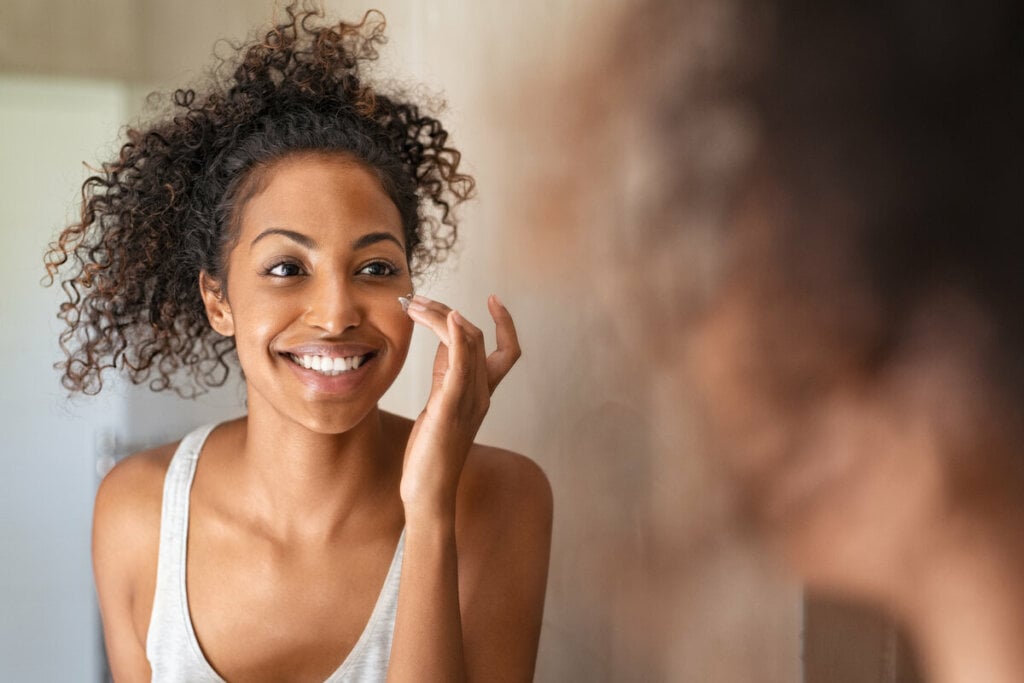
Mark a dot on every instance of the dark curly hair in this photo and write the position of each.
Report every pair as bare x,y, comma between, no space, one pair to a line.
167,207
849,166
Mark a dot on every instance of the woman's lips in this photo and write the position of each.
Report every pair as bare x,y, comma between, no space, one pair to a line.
329,365
350,373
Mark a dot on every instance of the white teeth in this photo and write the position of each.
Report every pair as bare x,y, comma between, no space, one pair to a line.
328,365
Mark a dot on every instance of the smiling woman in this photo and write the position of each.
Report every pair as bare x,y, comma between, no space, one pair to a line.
320,247
283,214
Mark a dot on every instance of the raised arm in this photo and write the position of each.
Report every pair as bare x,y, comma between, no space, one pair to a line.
453,569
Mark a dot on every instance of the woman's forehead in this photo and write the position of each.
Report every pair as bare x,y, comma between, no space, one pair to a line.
320,193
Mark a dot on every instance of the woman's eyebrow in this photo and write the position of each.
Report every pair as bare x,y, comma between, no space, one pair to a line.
309,243
373,238
304,240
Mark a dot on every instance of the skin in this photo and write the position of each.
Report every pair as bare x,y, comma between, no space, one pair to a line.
892,489
296,508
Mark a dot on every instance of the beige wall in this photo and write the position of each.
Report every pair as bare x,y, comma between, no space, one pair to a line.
647,581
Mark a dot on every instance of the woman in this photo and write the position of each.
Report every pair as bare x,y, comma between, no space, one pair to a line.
282,214
825,199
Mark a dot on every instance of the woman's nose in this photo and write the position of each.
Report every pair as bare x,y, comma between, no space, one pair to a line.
333,307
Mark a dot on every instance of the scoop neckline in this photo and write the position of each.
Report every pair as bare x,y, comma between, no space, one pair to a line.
364,637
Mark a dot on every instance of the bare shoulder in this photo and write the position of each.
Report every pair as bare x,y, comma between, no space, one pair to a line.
498,487
126,517
503,533
125,545
135,484
495,471
505,489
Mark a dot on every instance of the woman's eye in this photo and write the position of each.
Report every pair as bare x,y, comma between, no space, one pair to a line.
378,269
285,269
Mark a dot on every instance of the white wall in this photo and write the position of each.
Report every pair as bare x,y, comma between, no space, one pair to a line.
49,625
52,447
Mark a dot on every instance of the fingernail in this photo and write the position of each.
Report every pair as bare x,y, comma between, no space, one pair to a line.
421,299
416,306
498,301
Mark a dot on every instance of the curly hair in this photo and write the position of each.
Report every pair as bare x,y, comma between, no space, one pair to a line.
877,143
167,207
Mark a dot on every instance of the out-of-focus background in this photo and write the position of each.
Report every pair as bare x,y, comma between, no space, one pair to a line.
648,581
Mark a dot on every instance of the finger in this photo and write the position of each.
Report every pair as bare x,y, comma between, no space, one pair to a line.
508,352
430,304
438,373
474,335
459,368
432,318
443,387
476,347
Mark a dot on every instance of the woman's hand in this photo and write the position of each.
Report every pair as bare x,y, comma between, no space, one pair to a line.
464,378
437,637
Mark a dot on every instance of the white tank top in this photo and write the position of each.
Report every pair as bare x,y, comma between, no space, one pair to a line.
171,645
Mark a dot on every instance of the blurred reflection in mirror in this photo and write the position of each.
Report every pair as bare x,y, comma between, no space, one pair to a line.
802,222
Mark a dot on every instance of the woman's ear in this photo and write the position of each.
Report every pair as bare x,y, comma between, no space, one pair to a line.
218,310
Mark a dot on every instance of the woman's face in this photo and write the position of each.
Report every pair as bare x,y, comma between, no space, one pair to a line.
837,465
313,282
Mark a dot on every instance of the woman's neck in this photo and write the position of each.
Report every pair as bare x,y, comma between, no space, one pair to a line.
301,484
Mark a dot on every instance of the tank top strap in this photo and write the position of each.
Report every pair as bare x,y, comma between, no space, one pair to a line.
368,661
171,645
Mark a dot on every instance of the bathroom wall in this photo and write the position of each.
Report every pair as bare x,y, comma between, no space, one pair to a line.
49,625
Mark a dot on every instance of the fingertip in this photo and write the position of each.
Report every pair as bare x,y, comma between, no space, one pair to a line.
496,307
456,330
415,312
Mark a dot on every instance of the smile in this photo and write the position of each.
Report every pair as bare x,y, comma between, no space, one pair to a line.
328,366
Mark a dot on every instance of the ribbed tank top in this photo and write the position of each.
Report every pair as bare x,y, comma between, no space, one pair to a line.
171,645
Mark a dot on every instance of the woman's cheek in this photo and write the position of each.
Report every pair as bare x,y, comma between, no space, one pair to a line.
257,322
402,324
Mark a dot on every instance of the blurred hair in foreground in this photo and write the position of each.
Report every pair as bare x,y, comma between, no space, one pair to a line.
810,214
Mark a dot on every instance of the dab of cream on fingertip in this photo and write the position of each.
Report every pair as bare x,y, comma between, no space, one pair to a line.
405,301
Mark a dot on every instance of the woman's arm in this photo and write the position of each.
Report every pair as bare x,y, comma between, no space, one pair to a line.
431,642
125,537
504,540
428,643
485,576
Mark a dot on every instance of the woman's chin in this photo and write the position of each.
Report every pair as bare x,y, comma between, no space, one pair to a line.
331,420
